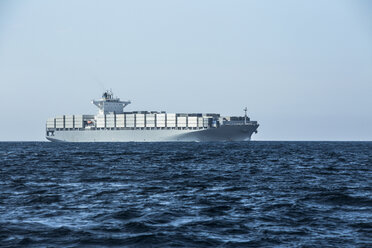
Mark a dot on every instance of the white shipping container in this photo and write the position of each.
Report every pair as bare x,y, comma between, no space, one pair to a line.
129,123
50,125
120,123
69,125
160,120
171,116
192,119
140,120
120,117
59,125
181,119
159,116
150,124
78,121
192,124
200,121
181,124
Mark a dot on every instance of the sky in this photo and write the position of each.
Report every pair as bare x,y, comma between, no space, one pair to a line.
302,68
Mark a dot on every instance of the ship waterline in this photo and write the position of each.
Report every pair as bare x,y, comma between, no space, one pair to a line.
112,124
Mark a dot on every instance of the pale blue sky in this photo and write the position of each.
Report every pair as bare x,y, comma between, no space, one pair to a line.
303,68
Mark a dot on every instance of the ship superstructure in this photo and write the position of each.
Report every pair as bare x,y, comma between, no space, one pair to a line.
113,124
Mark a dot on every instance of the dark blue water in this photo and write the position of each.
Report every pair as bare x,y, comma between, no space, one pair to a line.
257,194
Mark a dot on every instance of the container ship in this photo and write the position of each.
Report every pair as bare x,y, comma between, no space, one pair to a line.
113,124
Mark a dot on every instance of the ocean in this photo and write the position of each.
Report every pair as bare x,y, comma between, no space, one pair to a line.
238,194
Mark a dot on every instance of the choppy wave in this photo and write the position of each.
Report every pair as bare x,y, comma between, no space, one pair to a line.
245,194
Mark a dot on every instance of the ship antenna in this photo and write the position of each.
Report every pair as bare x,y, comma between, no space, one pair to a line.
245,115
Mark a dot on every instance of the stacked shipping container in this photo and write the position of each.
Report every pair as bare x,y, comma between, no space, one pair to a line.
120,120
131,120
140,120
60,121
69,121
171,120
78,121
160,120
110,120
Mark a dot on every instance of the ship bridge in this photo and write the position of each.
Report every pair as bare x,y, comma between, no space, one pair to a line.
108,104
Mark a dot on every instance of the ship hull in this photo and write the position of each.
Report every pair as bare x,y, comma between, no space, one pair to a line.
223,133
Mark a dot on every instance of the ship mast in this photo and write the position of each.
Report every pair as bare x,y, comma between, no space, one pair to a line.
245,115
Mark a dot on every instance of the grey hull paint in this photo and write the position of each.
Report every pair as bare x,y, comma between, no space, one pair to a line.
223,133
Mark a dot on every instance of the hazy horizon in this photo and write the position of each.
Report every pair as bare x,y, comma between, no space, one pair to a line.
303,68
